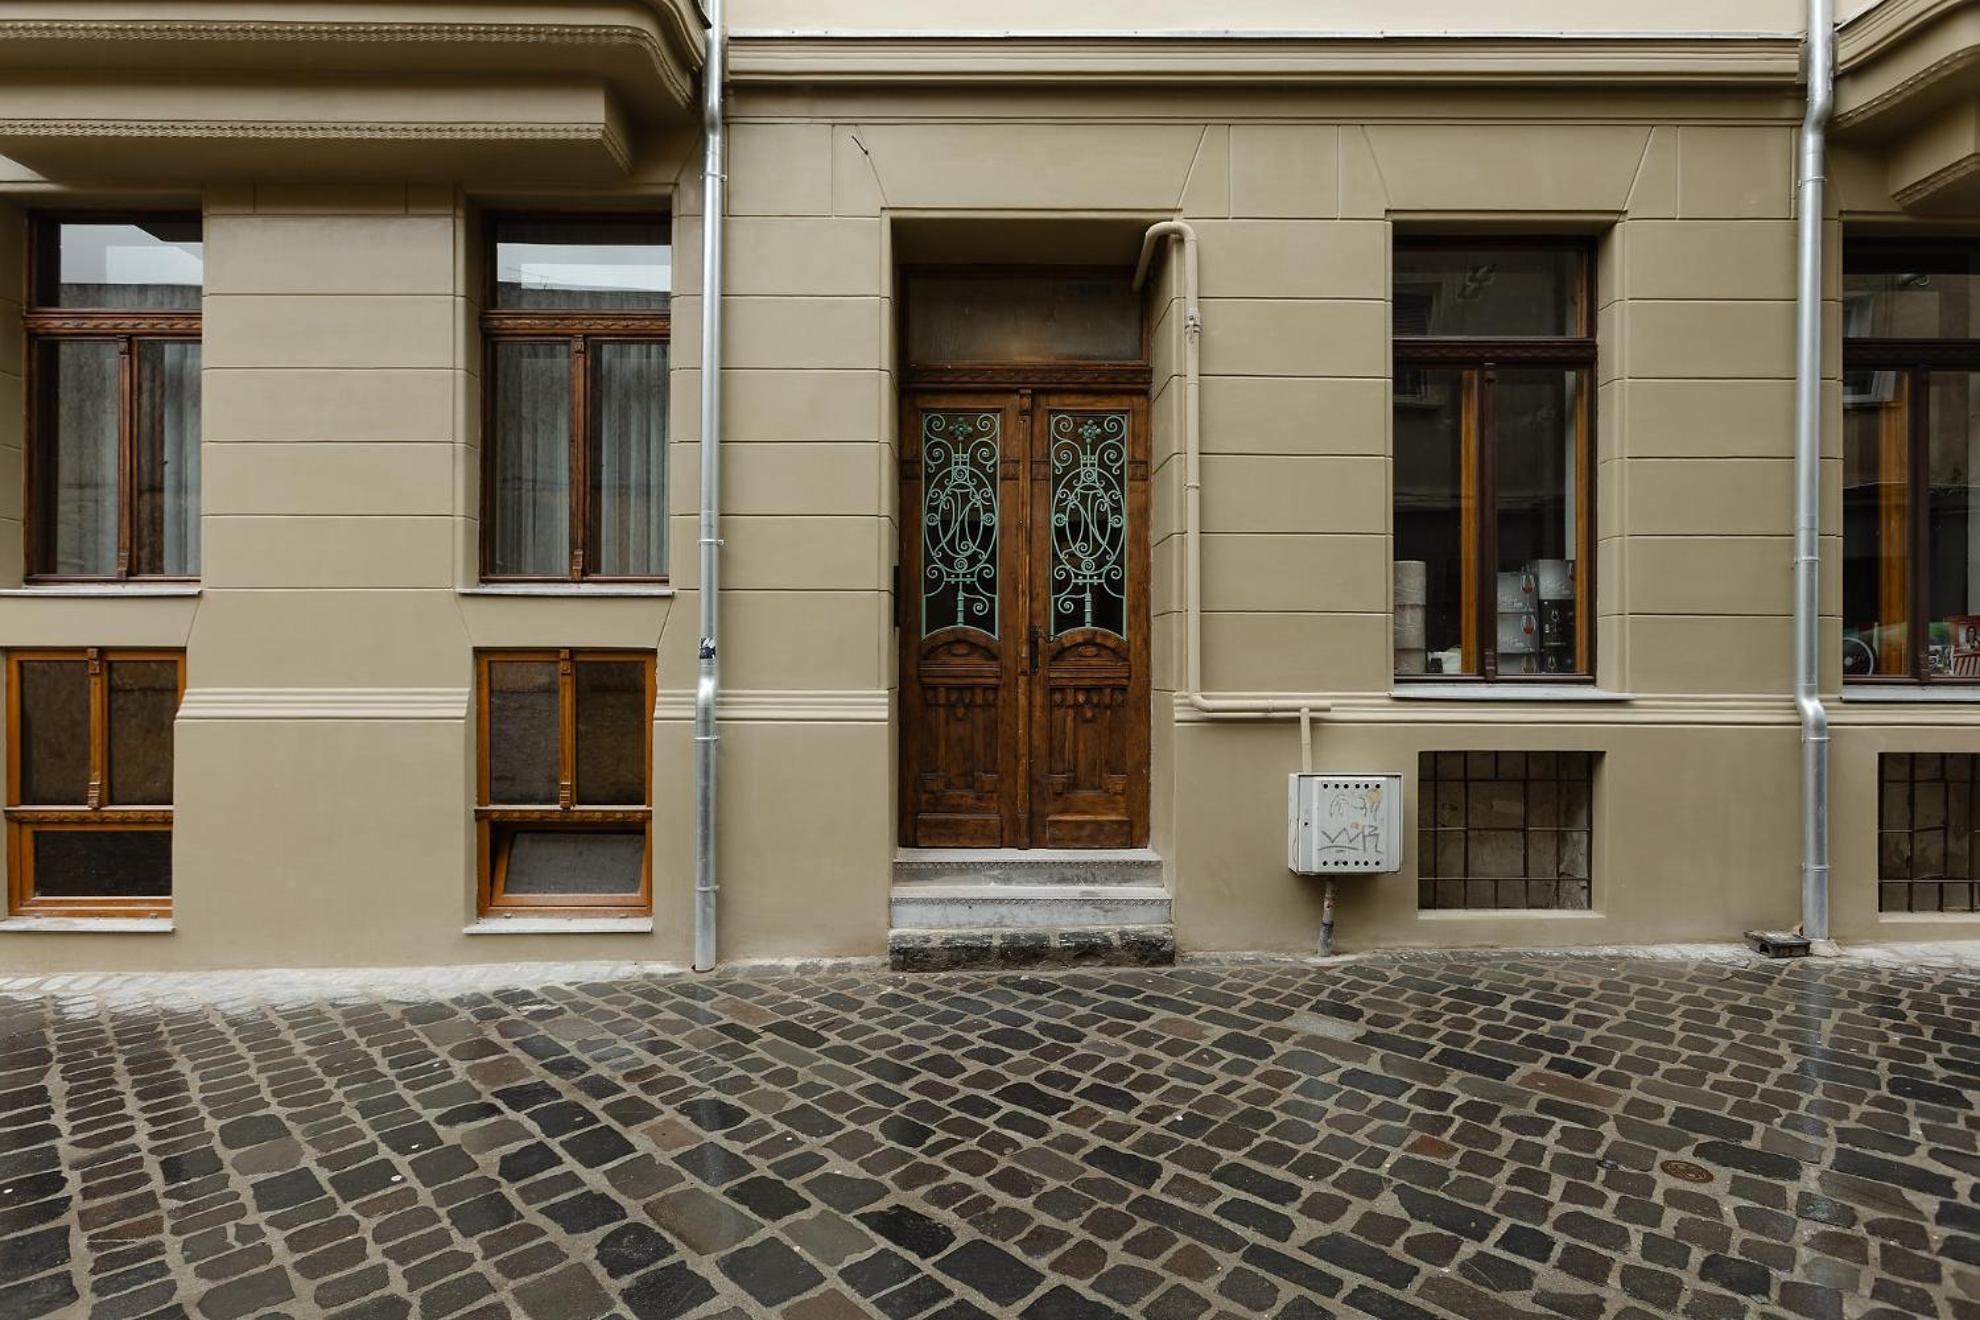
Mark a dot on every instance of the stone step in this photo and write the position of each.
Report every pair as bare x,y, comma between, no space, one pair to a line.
991,950
928,905
1086,867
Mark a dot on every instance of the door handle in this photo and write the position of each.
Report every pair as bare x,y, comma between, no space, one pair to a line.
1034,648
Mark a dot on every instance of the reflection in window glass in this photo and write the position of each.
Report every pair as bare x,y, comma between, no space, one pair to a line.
612,720
144,700
1911,292
54,733
628,412
100,863
1952,618
149,265
1432,519
1023,318
582,265
1536,424
1488,291
1876,524
166,536
571,863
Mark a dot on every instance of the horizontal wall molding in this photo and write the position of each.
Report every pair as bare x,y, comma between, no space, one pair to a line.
1756,59
779,706
325,704
1755,710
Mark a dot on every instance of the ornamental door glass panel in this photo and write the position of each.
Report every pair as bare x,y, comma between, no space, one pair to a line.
1024,629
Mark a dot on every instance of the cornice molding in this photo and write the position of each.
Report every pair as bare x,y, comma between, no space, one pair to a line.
604,135
1881,37
675,57
1890,23
325,704
1760,60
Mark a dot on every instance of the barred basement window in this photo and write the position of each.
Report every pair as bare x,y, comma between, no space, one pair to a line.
1504,830
565,799
1926,843
89,781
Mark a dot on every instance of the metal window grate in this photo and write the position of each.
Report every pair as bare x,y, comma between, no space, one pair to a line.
1928,816
1504,830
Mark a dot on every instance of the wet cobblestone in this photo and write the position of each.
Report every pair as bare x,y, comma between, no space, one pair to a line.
1489,1137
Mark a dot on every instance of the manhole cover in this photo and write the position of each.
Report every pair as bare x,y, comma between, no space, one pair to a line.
1687,1171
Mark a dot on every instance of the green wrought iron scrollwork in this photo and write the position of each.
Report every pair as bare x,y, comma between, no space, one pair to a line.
959,530
1089,522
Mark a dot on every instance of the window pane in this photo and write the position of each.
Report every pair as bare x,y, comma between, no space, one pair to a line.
152,265
1952,619
619,265
1017,318
54,733
102,863
567,863
144,698
628,413
1488,291
523,732
612,717
1876,523
167,532
531,509
1911,292
961,458
1432,518
75,461
1088,569
1537,419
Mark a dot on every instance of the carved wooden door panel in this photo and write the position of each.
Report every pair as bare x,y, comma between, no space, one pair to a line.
1089,586
962,622
1024,621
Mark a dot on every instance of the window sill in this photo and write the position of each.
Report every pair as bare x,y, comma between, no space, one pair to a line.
601,589
1921,692
102,591
561,926
1505,692
47,925
1524,914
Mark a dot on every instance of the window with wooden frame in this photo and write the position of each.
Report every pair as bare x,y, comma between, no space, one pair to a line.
89,781
113,398
574,473
1911,462
565,799
1494,362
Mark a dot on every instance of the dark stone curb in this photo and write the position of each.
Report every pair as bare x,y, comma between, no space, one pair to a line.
978,950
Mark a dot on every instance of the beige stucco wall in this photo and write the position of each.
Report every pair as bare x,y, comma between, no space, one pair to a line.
324,770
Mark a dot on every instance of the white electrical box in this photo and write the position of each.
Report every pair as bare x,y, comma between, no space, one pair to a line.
1343,823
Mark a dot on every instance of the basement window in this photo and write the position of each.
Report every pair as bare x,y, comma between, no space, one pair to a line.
565,806
1928,818
1504,830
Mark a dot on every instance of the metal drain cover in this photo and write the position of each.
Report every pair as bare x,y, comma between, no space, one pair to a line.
1686,1171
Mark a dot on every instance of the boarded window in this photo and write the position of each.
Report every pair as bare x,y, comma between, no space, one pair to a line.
1928,820
1504,830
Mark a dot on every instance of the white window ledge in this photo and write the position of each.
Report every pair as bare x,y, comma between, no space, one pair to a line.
103,590
1505,692
1522,914
561,926
41,925
1941,693
600,589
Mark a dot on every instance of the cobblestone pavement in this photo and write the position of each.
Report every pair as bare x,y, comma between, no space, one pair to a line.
1480,1137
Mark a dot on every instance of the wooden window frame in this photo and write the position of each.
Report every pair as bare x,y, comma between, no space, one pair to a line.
567,813
1479,359
1912,362
128,328
94,813
580,330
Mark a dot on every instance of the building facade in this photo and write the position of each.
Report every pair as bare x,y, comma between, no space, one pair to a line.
348,469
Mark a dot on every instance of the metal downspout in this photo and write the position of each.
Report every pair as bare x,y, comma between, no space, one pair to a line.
708,685
1809,212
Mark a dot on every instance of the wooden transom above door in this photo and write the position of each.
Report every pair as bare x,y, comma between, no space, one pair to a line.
1024,621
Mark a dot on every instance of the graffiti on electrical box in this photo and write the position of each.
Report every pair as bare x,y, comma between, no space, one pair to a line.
1348,826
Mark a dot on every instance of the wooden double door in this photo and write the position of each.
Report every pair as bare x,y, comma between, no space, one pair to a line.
1024,620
